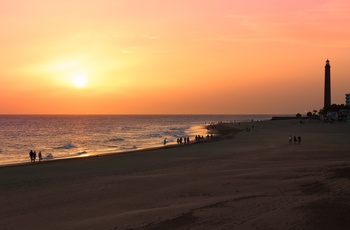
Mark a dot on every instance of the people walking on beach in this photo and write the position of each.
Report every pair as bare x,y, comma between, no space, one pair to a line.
34,156
295,139
290,139
179,140
31,155
299,139
199,138
40,156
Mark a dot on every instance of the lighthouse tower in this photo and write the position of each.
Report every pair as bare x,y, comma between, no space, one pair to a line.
327,85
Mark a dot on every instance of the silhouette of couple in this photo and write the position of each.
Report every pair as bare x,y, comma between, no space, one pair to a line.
32,155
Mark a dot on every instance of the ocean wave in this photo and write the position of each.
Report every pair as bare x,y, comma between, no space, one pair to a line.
127,128
153,135
116,139
81,153
183,128
175,134
129,148
49,156
67,146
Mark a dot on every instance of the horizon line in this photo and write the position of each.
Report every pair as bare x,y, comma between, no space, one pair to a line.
134,114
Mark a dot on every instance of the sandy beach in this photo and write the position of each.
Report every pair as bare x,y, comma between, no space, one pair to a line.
247,180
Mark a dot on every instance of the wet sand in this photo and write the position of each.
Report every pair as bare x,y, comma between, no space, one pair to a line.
247,180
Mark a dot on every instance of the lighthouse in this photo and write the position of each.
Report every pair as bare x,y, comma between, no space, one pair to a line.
327,85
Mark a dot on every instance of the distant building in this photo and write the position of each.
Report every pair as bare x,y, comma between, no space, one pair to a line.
332,116
327,85
347,102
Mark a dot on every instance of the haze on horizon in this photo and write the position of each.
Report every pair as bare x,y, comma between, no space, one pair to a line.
172,57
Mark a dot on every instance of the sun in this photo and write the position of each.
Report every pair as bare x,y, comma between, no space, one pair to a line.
79,80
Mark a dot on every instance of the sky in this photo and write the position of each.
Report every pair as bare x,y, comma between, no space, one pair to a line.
172,57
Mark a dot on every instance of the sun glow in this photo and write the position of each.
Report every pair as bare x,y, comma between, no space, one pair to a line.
79,80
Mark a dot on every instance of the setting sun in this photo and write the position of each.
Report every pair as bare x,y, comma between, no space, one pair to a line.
79,80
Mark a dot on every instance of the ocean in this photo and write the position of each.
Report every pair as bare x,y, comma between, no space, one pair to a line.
68,136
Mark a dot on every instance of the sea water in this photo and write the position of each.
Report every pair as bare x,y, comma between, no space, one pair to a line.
67,136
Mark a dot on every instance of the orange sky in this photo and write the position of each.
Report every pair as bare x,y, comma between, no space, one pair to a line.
172,57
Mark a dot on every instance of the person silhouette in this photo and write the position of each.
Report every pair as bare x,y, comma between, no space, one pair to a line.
31,155
40,156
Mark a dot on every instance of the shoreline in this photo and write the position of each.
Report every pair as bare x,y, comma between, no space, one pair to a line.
220,130
90,134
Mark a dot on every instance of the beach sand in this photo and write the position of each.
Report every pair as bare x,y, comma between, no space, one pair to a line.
247,180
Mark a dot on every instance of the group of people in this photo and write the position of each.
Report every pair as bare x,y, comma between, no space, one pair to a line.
295,139
186,140
32,155
198,138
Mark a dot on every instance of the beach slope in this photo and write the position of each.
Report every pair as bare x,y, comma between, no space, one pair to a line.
253,179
